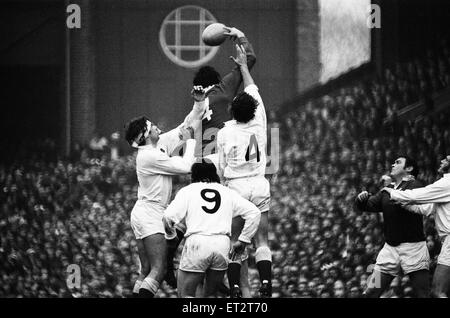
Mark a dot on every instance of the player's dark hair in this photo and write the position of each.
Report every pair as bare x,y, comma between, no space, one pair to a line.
243,107
204,172
206,76
134,127
410,162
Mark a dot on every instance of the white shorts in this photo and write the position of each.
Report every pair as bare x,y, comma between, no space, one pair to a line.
146,219
444,256
202,252
410,257
255,189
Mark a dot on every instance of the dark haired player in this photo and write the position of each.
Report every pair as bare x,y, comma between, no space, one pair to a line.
155,167
242,162
405,247
207,209
220,92
434,199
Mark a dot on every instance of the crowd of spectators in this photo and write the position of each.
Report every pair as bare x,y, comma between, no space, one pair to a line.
55,212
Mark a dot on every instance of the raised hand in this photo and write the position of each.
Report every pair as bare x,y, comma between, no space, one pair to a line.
198,93
241,57
233,33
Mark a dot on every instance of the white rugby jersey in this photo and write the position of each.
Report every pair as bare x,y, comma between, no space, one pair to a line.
155,167
242,147
434,198
208,209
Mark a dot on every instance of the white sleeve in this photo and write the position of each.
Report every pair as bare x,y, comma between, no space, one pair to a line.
171,140
438,192
194,118
177,209
221,152
166,165
260,112
250,213
425,209
175,213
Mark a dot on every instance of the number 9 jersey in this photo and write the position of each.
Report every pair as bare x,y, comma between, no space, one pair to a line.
242,147
208,209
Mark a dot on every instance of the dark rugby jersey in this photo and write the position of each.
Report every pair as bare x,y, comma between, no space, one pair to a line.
220,97
400,225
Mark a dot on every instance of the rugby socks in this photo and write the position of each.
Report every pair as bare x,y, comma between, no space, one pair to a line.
149,287
263,258
234,274
136,287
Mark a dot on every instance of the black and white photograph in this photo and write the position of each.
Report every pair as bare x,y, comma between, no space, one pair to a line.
241,150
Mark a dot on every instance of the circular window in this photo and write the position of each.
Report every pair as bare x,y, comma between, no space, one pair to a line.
180,36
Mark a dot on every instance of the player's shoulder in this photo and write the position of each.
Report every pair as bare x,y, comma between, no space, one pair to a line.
416,184
228,127
252,90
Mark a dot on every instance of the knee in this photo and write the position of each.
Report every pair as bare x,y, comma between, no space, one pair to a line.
263,253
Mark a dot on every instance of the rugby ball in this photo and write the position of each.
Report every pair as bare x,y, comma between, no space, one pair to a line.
214,34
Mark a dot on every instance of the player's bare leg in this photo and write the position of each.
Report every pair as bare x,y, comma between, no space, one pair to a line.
156,250
188,282
441,281
144,270
200,292
212,281
245,284
377,284
172,247
263,256
234,267
420,281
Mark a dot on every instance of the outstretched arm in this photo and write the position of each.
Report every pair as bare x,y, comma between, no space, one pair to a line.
437,192
232,81
424,209
163,164
241,62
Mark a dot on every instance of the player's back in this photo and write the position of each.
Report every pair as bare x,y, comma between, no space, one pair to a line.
243,145
209,209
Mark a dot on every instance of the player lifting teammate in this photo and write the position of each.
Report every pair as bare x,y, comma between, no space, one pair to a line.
155,168
220,92
207,208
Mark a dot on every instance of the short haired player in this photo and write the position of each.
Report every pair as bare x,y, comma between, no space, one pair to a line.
155,167
242,162
434,199
207,208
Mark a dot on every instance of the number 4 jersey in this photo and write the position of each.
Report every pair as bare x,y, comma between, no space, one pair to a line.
242,147
208,209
